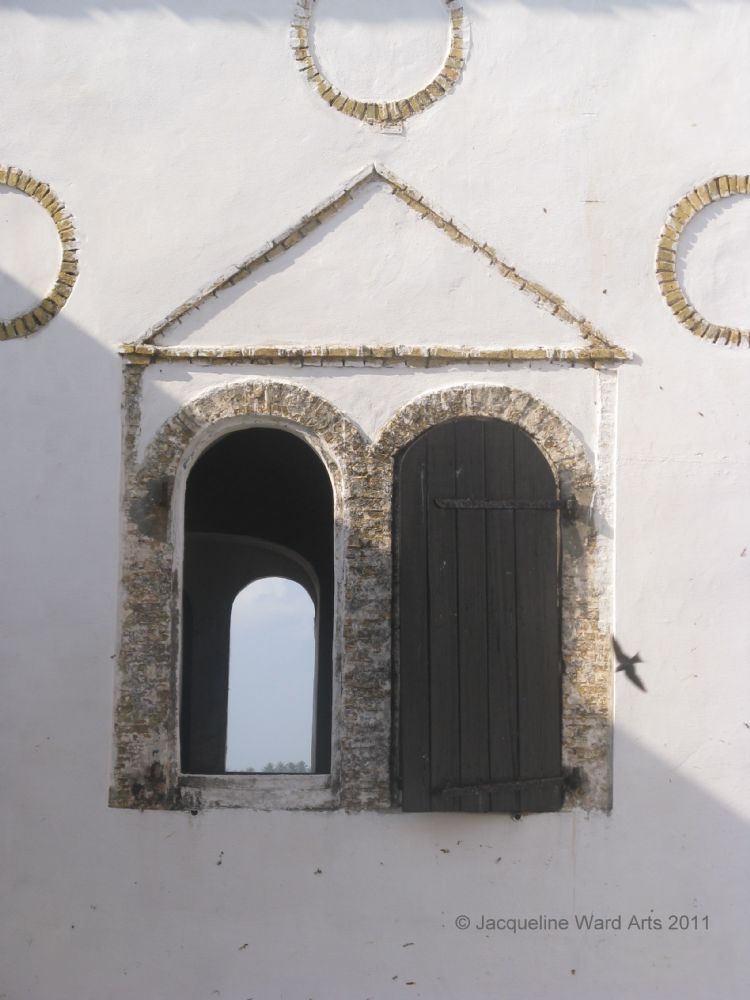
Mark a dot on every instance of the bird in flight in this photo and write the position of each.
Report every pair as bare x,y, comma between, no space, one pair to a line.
627,663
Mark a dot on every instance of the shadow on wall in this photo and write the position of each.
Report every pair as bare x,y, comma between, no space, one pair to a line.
271,10
673,843
672,855
60,392
684,852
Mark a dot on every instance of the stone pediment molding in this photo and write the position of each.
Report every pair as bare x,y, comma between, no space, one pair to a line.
596,347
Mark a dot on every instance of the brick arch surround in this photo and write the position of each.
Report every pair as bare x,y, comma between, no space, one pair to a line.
146,773
146,767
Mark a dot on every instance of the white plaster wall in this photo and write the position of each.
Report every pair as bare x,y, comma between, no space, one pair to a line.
404,46
713,262
182,138
405,282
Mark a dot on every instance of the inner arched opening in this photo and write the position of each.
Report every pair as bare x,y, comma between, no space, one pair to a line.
258,507
270,699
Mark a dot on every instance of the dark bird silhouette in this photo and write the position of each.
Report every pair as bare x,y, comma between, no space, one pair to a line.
627,663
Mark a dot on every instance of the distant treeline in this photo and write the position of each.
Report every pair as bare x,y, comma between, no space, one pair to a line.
283,767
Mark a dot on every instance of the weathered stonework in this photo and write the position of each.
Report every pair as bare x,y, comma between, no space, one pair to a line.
544,299
146,771
374,112
676,298
50,306
412,356
146,720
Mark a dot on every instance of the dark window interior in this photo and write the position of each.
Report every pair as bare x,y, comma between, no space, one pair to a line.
258,503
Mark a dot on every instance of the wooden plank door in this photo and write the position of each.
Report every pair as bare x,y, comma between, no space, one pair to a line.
478,637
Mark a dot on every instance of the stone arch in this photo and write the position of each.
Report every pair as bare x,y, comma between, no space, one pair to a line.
554,436
146,770
336,439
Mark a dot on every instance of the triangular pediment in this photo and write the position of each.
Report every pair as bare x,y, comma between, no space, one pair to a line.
375,266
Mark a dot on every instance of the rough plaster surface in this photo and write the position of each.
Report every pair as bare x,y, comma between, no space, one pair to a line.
181,138
395,56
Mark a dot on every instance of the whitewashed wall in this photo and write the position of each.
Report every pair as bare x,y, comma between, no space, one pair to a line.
182,139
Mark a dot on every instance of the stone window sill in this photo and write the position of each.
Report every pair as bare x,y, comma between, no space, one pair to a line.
257,791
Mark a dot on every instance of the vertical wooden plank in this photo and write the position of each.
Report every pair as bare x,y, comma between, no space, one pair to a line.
501,621
538,638
445,746
472,613
413,624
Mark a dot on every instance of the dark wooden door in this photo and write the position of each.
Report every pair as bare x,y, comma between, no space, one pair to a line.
478,636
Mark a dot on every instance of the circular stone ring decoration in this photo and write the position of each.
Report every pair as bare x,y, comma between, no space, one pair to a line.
382,113
26,323
666,257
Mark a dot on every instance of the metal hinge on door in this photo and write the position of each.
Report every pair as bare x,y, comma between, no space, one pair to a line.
568,506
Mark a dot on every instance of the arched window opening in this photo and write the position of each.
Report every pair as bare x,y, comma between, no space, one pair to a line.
258,507
271,678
